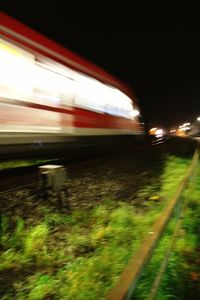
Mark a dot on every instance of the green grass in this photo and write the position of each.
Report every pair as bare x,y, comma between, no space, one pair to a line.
181,279
22,163
80,255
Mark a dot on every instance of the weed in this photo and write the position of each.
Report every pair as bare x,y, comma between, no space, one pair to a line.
181,277
81,255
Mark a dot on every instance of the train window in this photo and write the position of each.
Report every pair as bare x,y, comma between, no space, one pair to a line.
89,93
118,104
47,82
93,95
16,67
52,86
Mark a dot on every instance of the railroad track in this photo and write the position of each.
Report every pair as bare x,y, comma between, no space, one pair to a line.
13,179
27,205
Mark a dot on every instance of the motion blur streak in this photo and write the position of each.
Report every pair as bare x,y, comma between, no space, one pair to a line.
42,95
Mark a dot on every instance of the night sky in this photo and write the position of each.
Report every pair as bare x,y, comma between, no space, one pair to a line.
155,50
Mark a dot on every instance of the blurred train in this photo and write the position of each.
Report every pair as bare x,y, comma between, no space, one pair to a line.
50,96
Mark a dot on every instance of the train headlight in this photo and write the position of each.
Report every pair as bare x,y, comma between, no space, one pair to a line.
134,113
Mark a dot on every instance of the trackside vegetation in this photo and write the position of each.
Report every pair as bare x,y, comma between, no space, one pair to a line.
181,279
80,255
4,165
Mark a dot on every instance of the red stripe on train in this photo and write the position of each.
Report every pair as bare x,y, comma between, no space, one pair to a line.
81,117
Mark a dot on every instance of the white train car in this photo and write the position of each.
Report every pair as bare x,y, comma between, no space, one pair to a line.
50,95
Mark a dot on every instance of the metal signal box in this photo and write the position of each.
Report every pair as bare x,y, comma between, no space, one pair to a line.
52,176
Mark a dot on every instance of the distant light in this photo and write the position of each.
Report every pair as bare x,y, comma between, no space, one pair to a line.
180,132
198,119
187,128
153,129
159,132
172,130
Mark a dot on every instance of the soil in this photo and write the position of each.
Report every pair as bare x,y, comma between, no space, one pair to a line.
87,185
